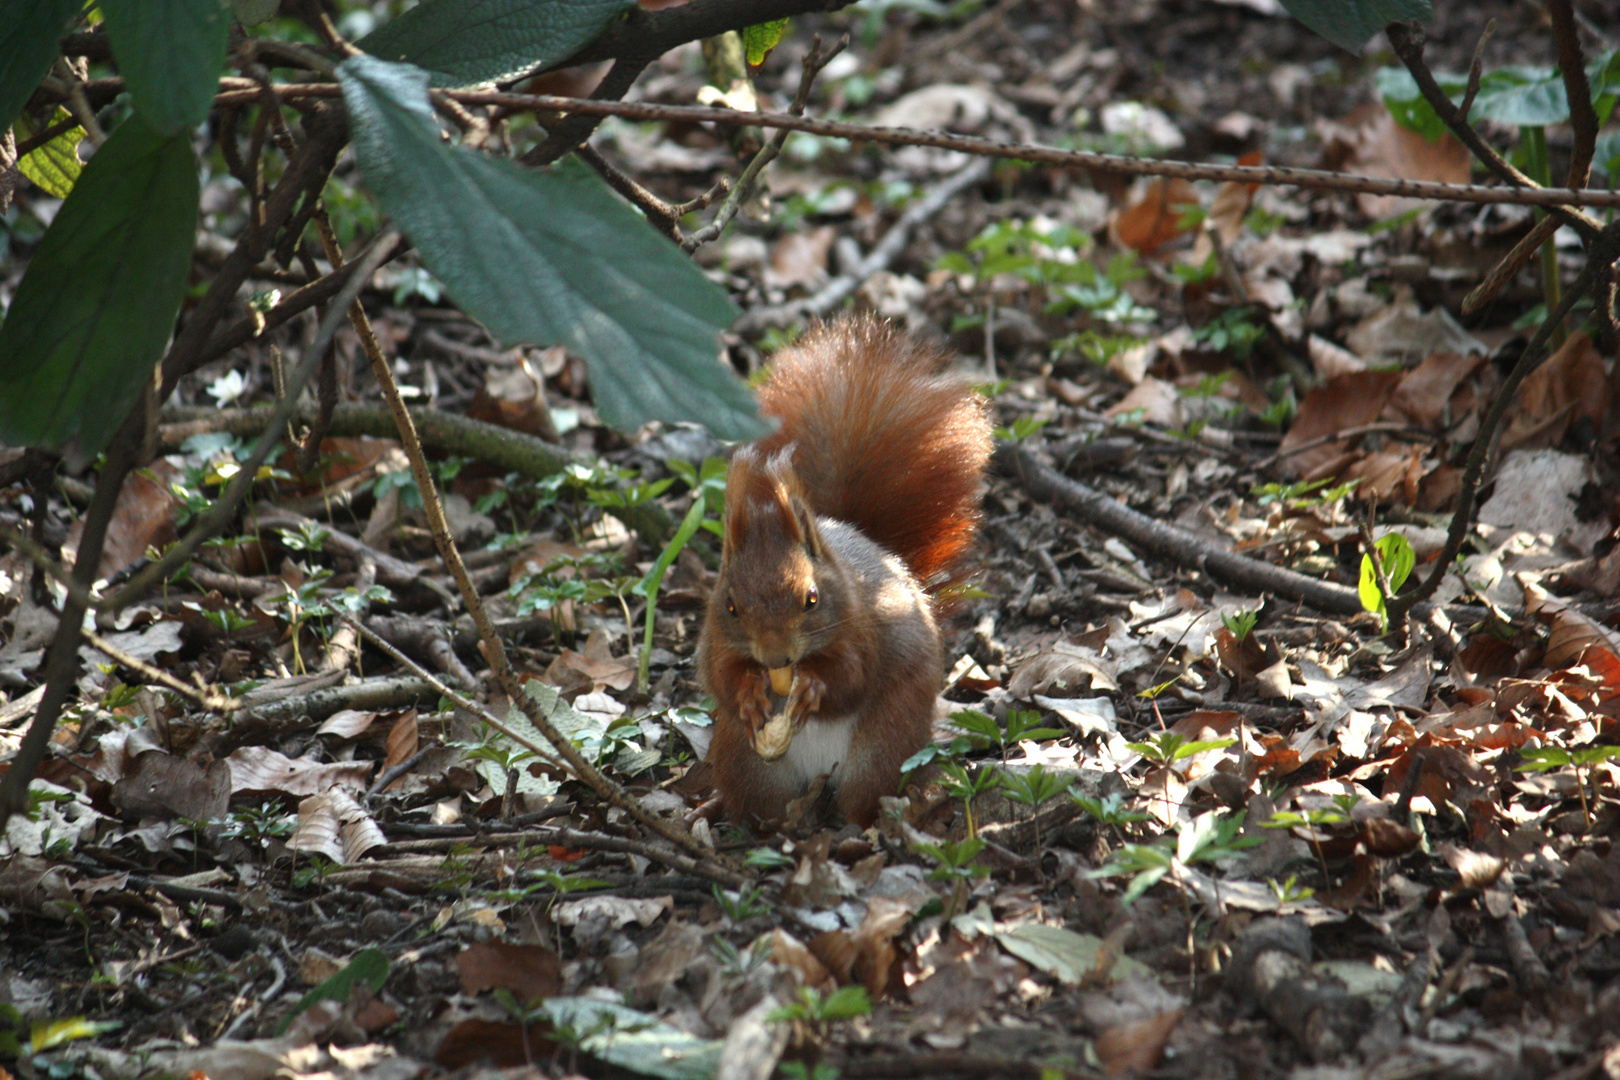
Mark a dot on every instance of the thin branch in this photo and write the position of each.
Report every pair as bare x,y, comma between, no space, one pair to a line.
830,295
56,571
1528,247
1382,427
462,702
1315,179
1183,548
220,514
1604,249
62,656
1476,68
306,173
34,142
208,699
1583,119
1408,41
814,61
661,215
443,432
489,640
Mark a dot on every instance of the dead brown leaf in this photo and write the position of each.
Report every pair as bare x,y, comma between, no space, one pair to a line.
528,971
1347,401
1161,214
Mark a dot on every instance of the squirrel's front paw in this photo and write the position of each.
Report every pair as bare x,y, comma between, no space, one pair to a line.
754,702
804,698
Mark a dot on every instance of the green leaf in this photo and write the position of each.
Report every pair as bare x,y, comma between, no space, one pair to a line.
369,966
1522,96
461,43
1543,759
1349,23
30,31
48,1034
1519,96
254,12
1065,955
1396,554
95,308
170,53
845,1003
55,166
633,1040
550,257
759,40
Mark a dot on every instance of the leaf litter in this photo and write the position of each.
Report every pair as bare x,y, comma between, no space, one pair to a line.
1212,832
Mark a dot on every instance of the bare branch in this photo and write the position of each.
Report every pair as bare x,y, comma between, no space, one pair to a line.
1315,179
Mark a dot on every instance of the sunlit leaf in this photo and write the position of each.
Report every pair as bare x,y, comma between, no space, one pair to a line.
55,166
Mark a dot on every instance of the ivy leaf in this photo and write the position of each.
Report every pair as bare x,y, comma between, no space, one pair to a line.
465,42
94,310
169,53
551,257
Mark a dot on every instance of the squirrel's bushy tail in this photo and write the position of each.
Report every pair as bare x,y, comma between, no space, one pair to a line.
883,439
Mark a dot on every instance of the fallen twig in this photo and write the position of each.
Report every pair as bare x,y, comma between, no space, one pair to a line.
441,432
1168,542
830,295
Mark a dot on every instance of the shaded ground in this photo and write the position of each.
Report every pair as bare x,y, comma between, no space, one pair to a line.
1432,812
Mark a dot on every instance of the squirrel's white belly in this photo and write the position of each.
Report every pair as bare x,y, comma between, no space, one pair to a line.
819,746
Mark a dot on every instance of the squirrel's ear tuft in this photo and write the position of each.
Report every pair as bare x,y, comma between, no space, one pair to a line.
764,496
804,523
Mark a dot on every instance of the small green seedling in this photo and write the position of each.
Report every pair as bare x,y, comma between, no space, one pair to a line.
1168,747
764,858
1108,810
1032,789
959,784
1240,624
1547,758
1396,559
1021,429
845,1003
1290,891
744,904
1206,838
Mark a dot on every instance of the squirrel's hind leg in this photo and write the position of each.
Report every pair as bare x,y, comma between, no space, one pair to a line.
886,735
752,789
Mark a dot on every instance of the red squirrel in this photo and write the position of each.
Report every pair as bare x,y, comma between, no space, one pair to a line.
840,529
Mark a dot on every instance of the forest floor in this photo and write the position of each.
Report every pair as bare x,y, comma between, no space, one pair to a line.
1178,826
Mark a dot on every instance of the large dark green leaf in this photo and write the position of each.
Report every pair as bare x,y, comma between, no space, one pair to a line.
463,42
170,53
1349,23
549,257
29,33
95,308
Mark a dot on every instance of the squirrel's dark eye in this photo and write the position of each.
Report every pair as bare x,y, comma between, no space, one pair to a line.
810,598
731,608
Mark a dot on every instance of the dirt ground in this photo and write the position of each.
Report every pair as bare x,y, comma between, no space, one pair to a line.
1186,824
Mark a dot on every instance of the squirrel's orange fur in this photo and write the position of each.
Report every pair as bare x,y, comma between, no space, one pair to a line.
839,528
